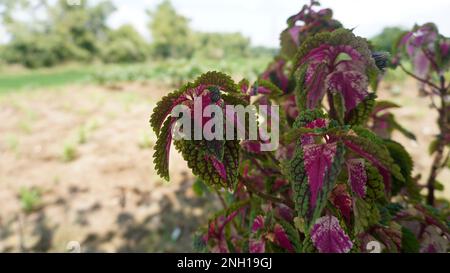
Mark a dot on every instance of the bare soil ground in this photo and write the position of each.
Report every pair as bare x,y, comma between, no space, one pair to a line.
88,151
106,196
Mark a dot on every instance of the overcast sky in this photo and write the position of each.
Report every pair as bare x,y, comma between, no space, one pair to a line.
263,20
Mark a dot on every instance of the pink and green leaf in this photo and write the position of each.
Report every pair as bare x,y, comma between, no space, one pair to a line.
328,236
357,176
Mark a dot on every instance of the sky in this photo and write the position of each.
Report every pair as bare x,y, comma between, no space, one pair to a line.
263,20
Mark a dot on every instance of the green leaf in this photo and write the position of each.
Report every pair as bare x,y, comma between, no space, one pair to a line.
339,106
199,187
361,113
308,116
433,147
375,192
366,215
338,37
199,244
402,129
292,234
308,246
371,147
342,57
404,161
288,46
234,99
163,109
438,186
275,90
300,93
219,79
194,152
299,181
410,244
162,147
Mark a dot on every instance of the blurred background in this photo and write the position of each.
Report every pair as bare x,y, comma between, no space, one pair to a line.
79,80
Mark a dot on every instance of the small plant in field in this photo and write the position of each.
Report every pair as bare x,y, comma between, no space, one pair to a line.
12,143
25,126
336,183
69,152
429,53
145,141
82,135
85,130
30,199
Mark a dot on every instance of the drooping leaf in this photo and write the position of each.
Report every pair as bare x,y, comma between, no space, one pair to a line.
210,169
328,236
369,146
215,161
164,107
361,113
162,150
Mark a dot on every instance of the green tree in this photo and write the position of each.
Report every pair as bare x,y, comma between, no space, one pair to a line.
67,33
171,35
125,45
387,38
220,45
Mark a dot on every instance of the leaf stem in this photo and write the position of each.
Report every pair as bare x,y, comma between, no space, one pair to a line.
418,78
263,195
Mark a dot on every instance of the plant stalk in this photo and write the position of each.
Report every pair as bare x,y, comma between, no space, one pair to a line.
439,154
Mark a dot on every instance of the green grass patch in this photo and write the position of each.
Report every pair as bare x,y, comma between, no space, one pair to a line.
169,72
30,79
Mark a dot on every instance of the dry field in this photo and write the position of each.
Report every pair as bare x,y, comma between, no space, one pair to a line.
87,153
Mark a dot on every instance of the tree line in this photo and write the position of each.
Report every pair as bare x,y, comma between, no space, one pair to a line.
42,34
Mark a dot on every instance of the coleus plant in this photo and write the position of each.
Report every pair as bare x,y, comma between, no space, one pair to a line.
429,53
333,185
